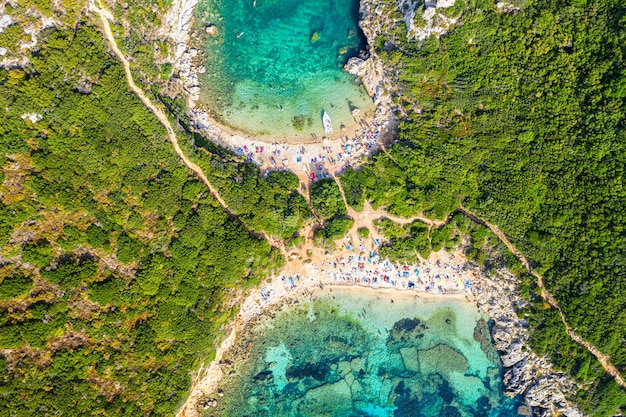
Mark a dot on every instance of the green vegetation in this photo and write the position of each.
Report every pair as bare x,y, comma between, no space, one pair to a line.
11,37
326,199
364,232
14,285
141,38
337,227
268,204
521,120
404,243
116,260
38,253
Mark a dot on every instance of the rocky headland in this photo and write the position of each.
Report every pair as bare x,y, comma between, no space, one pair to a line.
543,389
526,374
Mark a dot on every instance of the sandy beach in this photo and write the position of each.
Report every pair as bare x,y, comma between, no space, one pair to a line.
311,159
441,278
441,274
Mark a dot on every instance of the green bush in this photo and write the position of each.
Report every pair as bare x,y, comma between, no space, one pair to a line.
15,285
38,253
337,227
326,199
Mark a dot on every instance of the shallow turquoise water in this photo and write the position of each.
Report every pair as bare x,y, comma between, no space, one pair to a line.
274,67
349,355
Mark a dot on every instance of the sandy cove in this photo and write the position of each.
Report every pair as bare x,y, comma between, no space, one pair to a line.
345,147
442,277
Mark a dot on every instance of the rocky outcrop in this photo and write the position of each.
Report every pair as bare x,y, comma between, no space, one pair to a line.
423,19
18,55
526,374
177,25
177,29
376,79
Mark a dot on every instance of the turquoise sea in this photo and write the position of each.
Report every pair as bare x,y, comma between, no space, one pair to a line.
276,65
363,355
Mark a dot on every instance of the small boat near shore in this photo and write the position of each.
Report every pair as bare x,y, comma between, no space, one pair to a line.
328,125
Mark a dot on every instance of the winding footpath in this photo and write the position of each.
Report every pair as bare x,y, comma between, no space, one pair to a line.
604,360
105,17
365,217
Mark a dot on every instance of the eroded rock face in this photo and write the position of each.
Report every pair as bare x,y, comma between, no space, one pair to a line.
376,79
525,374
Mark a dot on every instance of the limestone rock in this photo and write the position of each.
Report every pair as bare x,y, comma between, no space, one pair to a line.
339,392
211,30
502,337
525,373
442,359
357,364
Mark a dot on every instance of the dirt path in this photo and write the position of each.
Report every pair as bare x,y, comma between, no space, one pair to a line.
604,360
367,216
105,16
364,218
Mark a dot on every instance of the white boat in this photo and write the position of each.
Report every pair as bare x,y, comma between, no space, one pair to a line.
328,125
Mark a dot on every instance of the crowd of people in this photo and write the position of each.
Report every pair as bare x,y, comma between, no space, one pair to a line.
313,158
442,274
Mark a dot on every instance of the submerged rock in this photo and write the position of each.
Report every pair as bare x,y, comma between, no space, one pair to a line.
406,331
410,359
328,397
482,336
442,359
211,30
317,371
264,375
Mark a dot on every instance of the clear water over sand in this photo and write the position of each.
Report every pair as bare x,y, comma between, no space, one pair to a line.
275,65
355,355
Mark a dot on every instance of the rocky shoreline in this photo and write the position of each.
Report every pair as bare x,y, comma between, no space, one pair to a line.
526,374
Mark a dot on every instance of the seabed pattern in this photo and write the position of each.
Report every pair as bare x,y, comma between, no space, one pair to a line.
351,355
